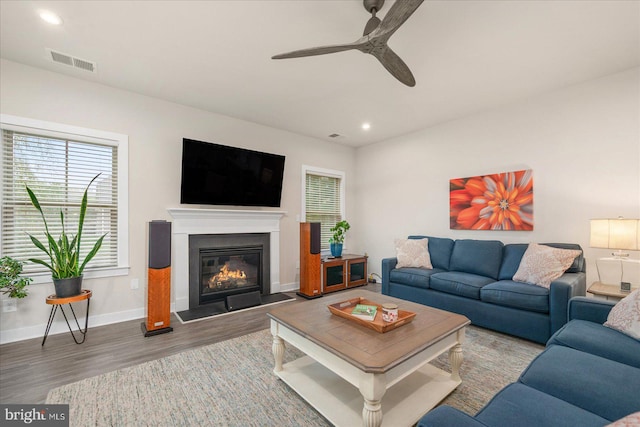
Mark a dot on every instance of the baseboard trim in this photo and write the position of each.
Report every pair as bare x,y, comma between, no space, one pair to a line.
289,287
59,326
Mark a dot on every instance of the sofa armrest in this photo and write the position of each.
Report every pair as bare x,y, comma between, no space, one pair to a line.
561,290
388,264
591,309
446,416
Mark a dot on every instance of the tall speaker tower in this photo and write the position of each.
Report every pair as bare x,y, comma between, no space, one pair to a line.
158,280
310,284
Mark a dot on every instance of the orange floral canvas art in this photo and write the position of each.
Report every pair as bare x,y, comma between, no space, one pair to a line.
501,201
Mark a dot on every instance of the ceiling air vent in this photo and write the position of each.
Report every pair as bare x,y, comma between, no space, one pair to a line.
61,58
72,61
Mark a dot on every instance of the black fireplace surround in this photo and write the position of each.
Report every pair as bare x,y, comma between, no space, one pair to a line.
221,265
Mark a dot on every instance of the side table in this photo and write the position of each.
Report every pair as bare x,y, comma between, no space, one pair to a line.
56,303
608,292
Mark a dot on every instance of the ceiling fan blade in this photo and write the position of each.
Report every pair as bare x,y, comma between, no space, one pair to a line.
320,50
395,65
374,41
399,12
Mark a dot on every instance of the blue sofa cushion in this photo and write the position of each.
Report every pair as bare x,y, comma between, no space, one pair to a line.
585,380
599,340
522,406
457,283
481,257
591,309
416,277
517,295
439,250
511,257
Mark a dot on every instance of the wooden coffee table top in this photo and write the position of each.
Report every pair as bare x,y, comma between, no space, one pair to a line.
365,348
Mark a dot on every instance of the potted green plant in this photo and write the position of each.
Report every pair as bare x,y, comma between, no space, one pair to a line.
64,253
335,242
10,280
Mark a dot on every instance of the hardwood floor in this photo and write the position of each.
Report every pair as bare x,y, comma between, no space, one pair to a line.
28,370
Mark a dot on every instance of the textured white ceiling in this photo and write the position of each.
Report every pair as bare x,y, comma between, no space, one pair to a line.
466,56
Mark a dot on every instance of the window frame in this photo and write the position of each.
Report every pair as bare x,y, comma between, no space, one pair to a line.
331,173
63,131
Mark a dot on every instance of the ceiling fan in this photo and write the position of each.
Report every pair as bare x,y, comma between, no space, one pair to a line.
374,39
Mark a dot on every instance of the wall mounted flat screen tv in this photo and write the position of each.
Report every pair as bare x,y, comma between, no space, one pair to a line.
214,174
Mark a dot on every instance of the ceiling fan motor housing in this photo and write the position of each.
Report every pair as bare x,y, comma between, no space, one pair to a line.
373,4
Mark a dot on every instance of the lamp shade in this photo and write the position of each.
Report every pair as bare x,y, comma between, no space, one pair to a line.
619,233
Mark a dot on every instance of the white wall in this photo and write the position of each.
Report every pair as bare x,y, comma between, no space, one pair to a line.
155,129
583,144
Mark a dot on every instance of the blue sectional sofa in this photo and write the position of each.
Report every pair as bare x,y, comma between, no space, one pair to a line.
473,278
588,375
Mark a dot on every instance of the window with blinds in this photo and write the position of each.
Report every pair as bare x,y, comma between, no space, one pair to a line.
323,202
58,171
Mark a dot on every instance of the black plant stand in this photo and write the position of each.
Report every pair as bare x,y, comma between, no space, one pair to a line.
56,303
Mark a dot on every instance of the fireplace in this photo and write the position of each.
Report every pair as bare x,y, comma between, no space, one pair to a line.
188,222
226,272
221,265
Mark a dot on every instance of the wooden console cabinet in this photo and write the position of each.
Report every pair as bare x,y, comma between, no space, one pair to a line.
345,272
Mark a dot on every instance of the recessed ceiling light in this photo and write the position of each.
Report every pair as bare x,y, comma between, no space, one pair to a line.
50,17
366,126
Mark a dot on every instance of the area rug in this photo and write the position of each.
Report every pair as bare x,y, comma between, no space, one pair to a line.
231,383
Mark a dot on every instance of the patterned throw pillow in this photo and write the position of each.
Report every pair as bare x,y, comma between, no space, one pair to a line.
413,253
625,315
540,265
631,420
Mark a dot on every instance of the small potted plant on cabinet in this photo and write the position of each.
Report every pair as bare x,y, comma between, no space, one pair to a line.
10,280
64,253
335,242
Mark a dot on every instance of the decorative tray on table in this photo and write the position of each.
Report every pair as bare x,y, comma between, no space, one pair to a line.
344,309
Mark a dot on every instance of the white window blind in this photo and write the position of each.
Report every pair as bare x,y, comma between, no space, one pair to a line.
323,203
58,170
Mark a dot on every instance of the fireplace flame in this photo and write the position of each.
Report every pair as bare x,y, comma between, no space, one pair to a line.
237,277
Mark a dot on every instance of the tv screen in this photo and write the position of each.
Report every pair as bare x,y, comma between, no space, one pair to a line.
214,174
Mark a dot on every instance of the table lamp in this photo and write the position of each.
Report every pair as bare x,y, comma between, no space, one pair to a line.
621,234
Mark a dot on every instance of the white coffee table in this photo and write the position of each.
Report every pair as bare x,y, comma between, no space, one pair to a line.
348,368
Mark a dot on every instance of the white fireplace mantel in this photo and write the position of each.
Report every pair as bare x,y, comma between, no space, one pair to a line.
189,221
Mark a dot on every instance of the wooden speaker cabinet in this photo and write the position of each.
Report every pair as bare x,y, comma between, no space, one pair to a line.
158,280
310,284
